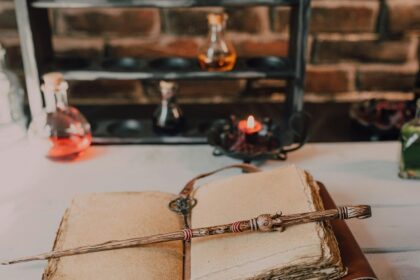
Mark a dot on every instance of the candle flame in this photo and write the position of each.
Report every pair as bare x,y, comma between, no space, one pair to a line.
250,122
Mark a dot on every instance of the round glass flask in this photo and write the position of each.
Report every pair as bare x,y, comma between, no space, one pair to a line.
61,132
217,54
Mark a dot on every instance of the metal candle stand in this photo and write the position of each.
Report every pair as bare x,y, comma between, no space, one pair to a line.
274,141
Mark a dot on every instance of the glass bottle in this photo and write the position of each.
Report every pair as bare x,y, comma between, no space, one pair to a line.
12,118
410,147
168,117
62,132
217,54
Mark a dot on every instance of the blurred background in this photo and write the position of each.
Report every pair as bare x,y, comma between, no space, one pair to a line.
357,49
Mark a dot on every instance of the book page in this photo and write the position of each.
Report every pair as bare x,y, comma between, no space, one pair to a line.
256,255
98,218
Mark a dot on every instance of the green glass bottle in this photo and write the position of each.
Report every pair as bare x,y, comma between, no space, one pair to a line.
410,147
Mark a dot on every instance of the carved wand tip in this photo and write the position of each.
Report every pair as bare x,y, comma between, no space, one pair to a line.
357,211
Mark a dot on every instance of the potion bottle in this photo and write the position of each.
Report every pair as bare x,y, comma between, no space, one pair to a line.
12,117
217,54
61,132
168,117
410,147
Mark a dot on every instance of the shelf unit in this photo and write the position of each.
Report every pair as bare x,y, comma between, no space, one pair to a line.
185,68
38,54
157,3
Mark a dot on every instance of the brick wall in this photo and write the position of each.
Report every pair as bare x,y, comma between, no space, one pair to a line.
356,46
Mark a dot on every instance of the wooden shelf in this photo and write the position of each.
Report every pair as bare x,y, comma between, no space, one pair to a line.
158,69
92,75
156,3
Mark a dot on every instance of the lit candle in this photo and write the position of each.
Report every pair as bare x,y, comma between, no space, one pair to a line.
249,126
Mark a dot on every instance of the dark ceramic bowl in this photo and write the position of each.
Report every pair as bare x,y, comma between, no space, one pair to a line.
266,63
171,64
124,64
126,128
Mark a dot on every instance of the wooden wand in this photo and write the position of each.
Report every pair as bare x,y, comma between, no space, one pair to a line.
262,223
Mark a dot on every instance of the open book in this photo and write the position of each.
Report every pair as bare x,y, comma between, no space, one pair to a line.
306,251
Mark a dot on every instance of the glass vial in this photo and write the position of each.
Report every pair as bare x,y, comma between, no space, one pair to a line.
12,118
62,132
410,147
217,54
168,117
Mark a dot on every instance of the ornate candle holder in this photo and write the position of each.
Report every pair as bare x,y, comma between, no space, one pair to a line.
269,141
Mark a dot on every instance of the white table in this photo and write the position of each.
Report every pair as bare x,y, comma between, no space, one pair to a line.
35,191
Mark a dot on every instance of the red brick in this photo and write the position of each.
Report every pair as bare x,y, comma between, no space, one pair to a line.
363,48
187,21
404,15
84,47
329,78
202,89
335,16
226,88
259,46
280,19
103,91
344,16
108,21
162,46
250,20
385,77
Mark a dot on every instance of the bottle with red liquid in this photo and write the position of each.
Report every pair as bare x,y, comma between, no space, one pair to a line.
61,131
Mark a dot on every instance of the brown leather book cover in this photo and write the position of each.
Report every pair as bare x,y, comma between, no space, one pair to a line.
351,254
87,211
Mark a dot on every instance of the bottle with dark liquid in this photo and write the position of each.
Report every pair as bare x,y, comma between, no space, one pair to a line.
168,117
61,131
410,147
217,54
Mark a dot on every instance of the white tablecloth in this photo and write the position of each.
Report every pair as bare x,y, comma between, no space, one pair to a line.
35,191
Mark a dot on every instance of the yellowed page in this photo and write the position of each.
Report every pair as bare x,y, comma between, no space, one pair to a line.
255,255
102,217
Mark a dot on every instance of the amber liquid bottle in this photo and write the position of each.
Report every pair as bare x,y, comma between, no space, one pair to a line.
217,54
61,132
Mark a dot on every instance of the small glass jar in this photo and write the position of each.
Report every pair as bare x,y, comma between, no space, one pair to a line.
61,132
410,147
217,54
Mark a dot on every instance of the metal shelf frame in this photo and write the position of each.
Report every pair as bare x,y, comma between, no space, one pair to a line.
145,70
157,3
38,54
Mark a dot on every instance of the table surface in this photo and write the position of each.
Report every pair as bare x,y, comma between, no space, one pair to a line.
34,192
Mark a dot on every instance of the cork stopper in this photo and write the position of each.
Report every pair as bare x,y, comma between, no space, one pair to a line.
168,89
217,18
54,81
